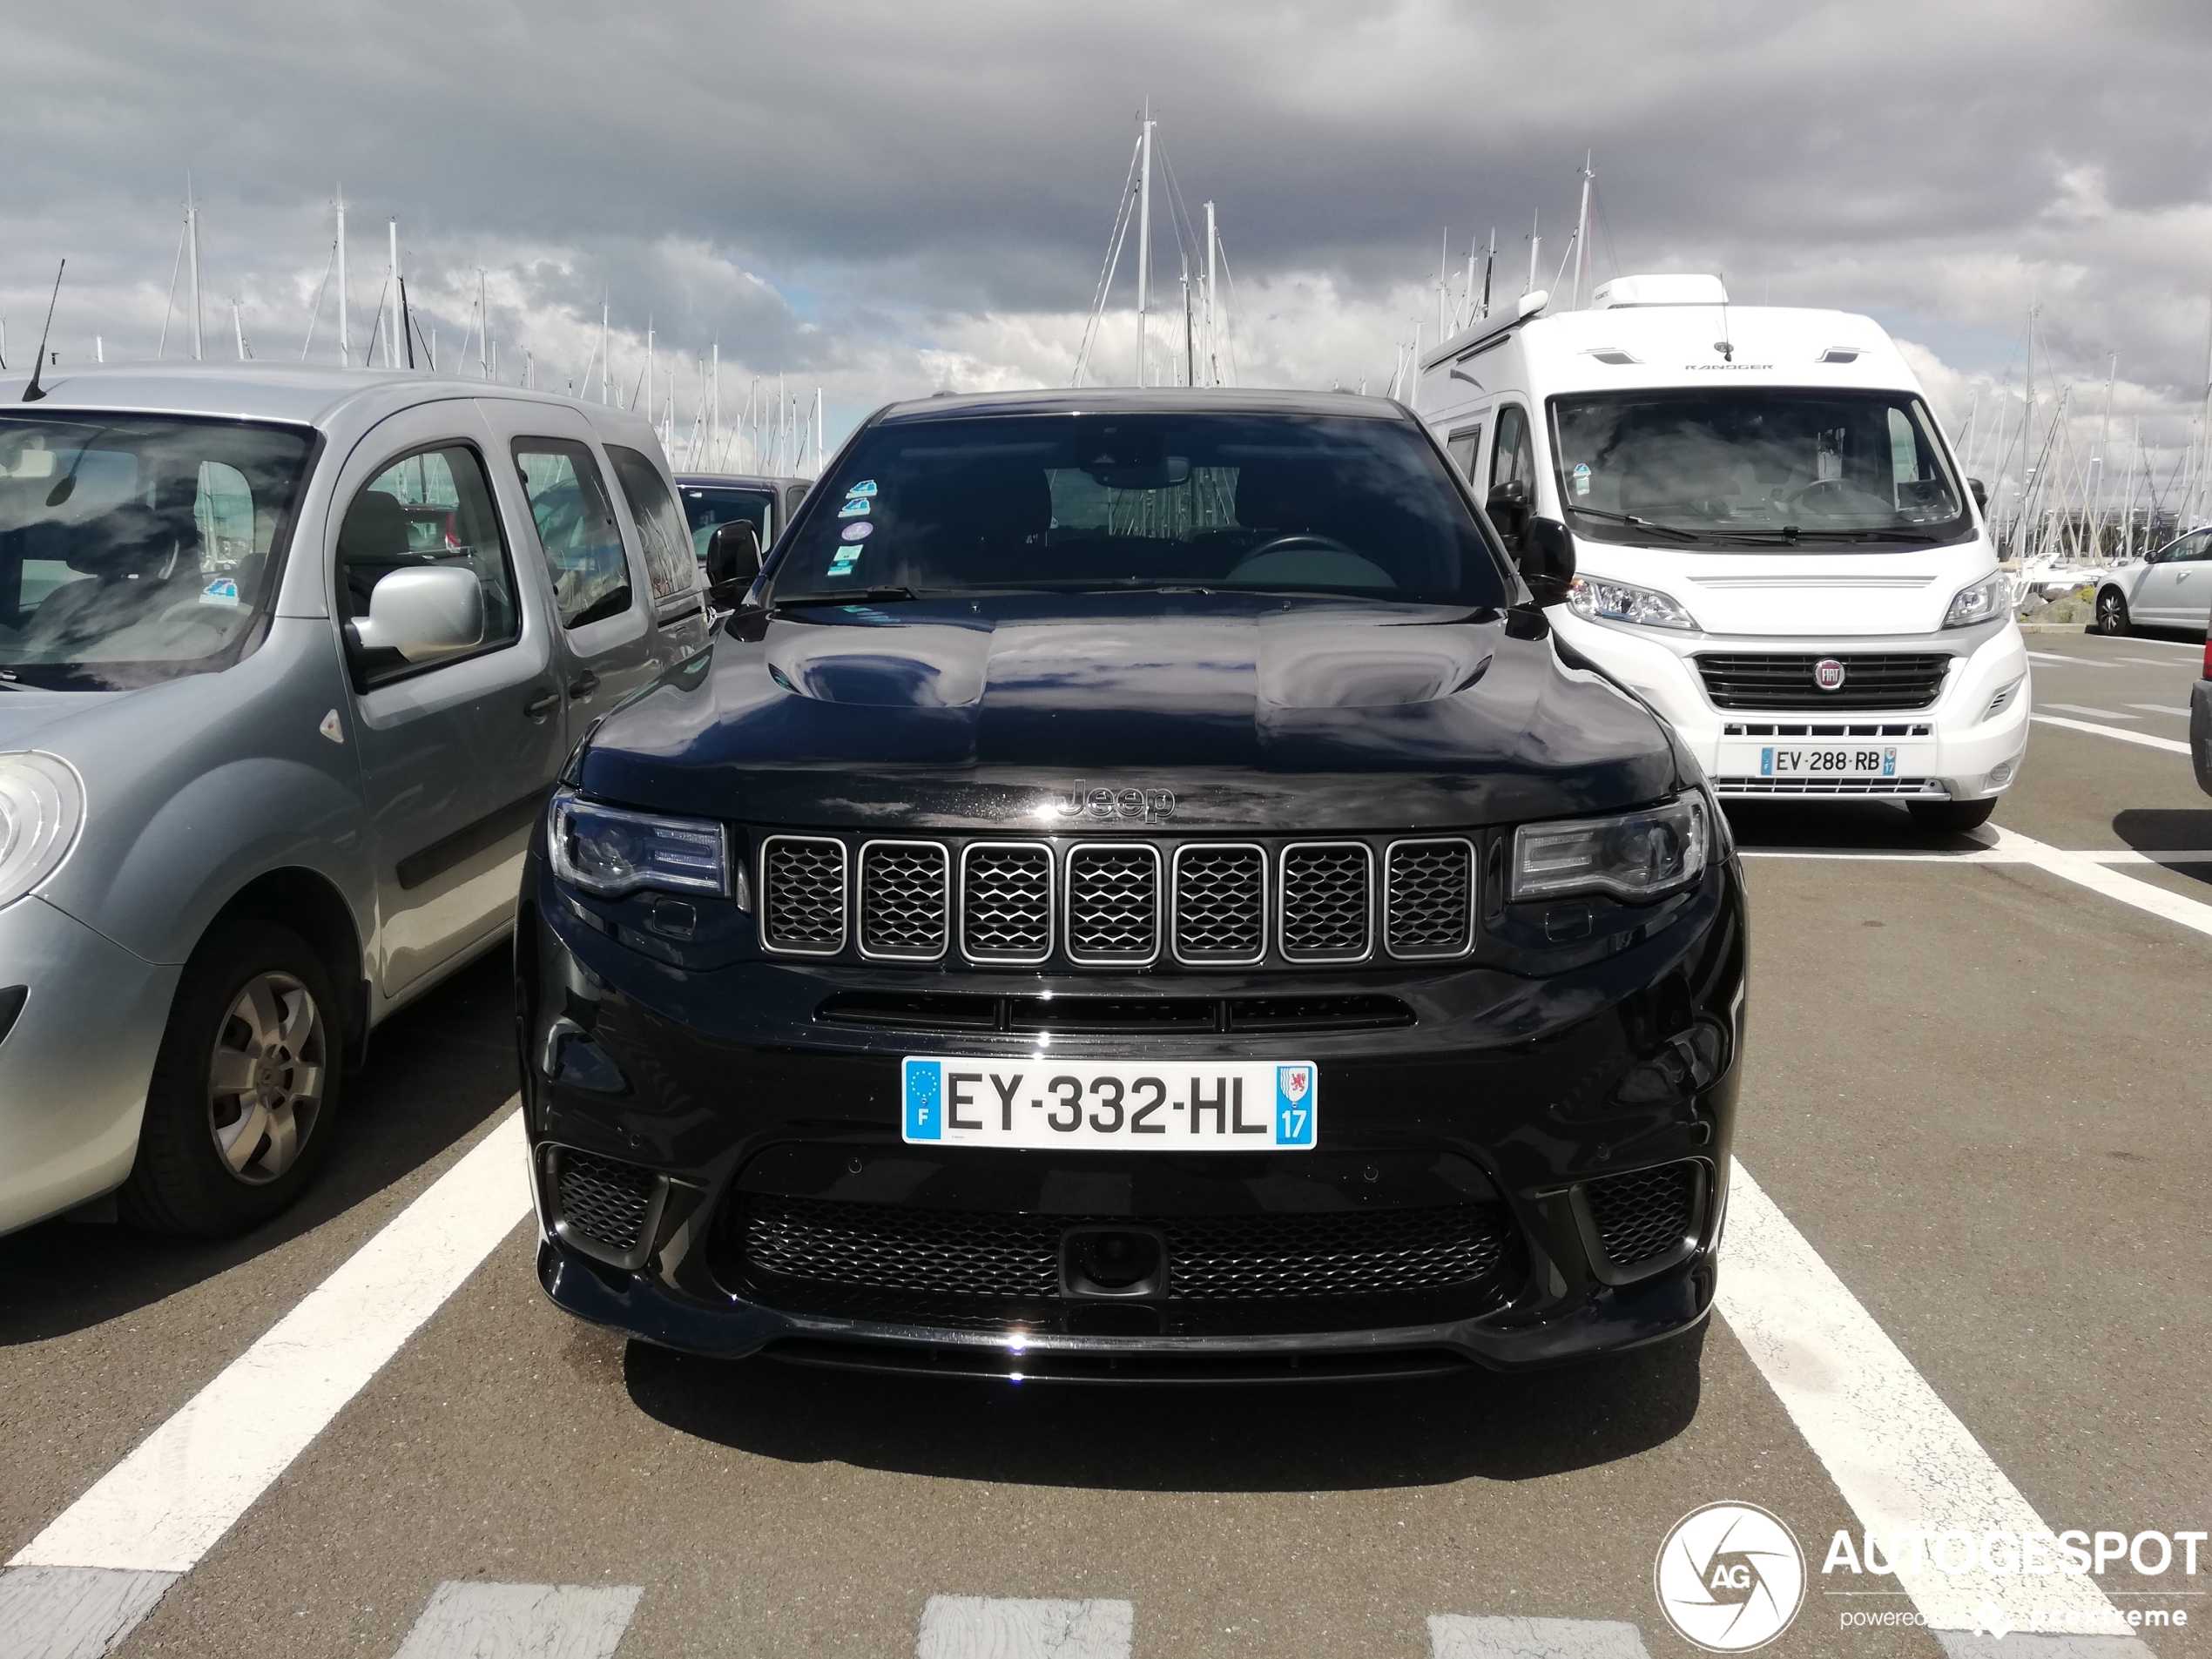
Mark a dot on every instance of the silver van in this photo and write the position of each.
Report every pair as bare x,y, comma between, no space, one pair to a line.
289,661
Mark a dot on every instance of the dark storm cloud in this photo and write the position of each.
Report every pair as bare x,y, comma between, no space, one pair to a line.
891,169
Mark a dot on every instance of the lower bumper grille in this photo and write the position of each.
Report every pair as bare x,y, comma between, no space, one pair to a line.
1885,787
605,1205
1645,1215
1226,1274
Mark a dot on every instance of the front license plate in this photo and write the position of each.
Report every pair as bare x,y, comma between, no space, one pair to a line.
1155,1106
1828,760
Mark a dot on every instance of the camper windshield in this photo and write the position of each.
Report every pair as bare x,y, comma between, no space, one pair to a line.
136,548
1265,503
1745,467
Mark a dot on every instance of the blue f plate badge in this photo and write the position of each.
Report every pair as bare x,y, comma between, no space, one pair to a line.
1139,1106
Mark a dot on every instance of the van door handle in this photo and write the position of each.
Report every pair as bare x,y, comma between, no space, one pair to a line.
538,707
583,684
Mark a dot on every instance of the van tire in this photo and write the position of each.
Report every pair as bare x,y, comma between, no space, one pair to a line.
1951,816
255,1008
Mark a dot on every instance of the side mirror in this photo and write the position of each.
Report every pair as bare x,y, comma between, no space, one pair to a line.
1508,505
733,561
1982,493
1548,561
437,610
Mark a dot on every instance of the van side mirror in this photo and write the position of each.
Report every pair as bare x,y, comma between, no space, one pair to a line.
1547,560
733,561
424,614
1982,493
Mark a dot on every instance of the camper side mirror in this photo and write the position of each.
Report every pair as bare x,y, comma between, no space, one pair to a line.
1982,493
1508,505
733,561
1547,560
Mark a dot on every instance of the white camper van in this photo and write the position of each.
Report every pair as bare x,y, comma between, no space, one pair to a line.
1770,538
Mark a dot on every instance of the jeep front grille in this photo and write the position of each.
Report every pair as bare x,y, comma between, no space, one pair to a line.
1121,903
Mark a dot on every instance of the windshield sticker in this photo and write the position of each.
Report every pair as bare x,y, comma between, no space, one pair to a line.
859,532
856,507
223,591
1582,477
866,486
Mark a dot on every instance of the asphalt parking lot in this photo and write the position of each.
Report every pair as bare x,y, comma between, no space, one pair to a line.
1975,1089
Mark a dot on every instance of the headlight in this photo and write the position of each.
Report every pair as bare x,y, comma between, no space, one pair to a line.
609,852
1984,601
1594,596
42,807
1635,855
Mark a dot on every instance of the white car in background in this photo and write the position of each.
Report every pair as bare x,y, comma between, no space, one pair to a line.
2169,587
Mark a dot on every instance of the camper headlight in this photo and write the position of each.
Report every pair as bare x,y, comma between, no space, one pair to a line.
1600,600
1985,601
42,807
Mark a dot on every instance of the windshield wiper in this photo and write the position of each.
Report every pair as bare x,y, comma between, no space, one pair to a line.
851,597
1630,519
1791,535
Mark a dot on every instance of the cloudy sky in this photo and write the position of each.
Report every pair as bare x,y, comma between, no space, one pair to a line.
883,199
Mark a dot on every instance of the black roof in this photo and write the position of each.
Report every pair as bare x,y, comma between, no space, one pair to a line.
1150,400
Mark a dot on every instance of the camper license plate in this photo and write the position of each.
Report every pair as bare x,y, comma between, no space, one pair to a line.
1144,1106
1825,760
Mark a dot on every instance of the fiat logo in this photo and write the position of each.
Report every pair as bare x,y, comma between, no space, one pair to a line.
1828,674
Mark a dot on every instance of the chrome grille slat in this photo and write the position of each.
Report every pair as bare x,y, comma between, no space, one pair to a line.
1220,903
1428,898
1113,904
1325,902
802,889
906,900
1006,901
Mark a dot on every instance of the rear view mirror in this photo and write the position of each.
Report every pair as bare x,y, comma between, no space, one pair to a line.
1981,493
1548,561
1508,505
437,610
733,561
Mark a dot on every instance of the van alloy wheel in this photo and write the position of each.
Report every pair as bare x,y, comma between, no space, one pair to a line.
265,1078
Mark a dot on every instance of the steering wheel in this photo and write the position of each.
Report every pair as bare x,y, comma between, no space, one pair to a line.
1837,497
1298,541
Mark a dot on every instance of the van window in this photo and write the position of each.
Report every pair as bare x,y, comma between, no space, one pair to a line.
1514,458
429,508
660,528
577,527
137,547
707,506
1463,446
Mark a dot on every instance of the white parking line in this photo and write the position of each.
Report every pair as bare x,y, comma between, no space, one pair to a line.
163,1507
1902,1460
2078,662
472,1620
73,1612
2083,708
2174,746
1453,1636
2088,871
2161,708
984,1627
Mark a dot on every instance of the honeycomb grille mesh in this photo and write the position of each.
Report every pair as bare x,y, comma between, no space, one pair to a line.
1113,904
1646,1214
803,907
1220,904
888,1247
1432,898
1006,903
1326,902
605,1199
904,899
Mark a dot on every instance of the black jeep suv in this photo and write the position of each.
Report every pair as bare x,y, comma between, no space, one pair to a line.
1136,891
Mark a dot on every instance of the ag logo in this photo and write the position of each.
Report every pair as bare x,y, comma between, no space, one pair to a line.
1730,1577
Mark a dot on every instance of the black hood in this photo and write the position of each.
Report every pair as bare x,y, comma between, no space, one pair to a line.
1255,711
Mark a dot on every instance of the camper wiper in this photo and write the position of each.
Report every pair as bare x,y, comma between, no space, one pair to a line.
1630,519
1792,535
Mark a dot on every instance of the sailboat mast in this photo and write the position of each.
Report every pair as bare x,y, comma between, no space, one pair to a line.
1489,265
345,316
1143,239
1535,246
191,235
1582,231
1213,236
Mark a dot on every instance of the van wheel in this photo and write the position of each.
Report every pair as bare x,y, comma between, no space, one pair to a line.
2112,613
1952,816
245,1088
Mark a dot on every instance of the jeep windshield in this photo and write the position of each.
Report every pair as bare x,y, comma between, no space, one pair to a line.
1244,503
1815,471
137,547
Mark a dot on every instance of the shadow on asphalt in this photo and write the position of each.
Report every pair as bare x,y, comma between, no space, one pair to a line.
2168,829
435,1071
1295,1437
1848,826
